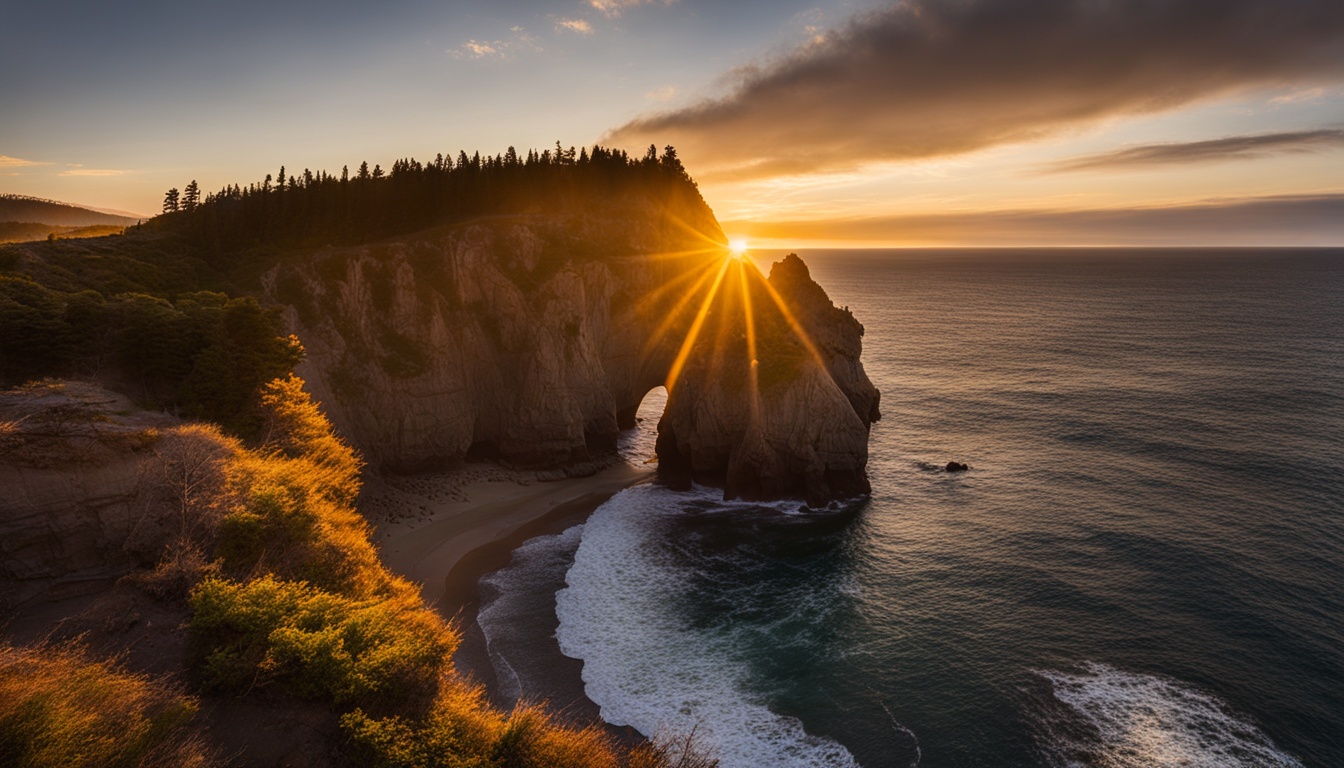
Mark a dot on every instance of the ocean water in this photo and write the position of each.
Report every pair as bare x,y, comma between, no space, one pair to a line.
1144,566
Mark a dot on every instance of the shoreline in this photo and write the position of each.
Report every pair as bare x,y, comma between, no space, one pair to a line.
467,525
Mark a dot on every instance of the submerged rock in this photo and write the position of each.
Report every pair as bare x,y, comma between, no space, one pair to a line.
953,466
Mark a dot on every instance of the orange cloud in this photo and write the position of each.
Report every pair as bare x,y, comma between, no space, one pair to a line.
17,162
1213,150
93,172
1303,220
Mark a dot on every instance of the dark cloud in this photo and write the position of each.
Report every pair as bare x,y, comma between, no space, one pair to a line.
1214,150
1315,220
925,78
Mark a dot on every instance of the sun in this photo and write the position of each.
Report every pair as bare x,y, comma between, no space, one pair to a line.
737,246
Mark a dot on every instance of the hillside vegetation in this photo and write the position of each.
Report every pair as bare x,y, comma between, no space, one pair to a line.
285,596
24,232
317,209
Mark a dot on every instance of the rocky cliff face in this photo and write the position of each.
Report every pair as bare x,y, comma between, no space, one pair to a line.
73,513
533,339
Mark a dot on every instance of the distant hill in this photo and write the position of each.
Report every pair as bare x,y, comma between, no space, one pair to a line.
33,210
26,232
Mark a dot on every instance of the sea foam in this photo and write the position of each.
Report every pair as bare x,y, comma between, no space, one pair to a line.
645,665
511,600
1144,721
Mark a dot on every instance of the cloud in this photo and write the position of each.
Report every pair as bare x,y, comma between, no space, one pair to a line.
666,93
1300,96
520,40
1316,220
479,49
93,172
615,8
573,25
924,78
17,162
1214,150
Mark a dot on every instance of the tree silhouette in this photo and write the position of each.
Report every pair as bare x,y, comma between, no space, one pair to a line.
318,208
170,200
191,196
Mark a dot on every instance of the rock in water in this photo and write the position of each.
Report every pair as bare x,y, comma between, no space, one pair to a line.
953,466
793,420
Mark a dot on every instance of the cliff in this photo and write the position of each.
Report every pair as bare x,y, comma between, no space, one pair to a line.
533,338
74,514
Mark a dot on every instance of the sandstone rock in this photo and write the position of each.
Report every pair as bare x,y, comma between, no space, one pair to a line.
70,466
793,422
532,340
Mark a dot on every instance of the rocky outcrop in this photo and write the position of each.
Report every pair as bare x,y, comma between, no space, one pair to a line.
72,512
788,418
533,338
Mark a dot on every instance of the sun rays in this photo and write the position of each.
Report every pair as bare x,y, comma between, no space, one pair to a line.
715,284
721,294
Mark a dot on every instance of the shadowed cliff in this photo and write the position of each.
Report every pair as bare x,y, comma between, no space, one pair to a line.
773,400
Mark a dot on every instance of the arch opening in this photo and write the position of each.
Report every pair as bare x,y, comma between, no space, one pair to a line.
639,428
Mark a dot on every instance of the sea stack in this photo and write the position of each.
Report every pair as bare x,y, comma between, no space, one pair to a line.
790,420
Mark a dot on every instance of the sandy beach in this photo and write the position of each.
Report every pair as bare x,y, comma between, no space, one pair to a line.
444,531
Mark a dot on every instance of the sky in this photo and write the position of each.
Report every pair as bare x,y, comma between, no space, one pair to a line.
833,123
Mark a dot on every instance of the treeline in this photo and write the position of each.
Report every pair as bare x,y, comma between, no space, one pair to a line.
201,354
357,206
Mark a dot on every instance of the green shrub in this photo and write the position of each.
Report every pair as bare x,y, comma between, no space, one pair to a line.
316,644
461,730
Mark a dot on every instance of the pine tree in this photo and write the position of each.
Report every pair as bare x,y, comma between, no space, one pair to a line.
191,196
170,201
364,170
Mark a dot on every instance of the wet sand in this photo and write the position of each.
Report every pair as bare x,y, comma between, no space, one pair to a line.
446,531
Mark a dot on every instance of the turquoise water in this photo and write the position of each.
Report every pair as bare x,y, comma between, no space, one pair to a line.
1144,566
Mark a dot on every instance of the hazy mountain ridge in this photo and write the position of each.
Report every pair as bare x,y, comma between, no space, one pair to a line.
24,232
34,210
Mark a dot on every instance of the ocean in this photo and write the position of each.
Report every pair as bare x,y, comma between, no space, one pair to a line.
1144,565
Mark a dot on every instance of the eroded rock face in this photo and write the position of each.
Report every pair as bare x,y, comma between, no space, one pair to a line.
73,511
533,339
790,421
512,338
